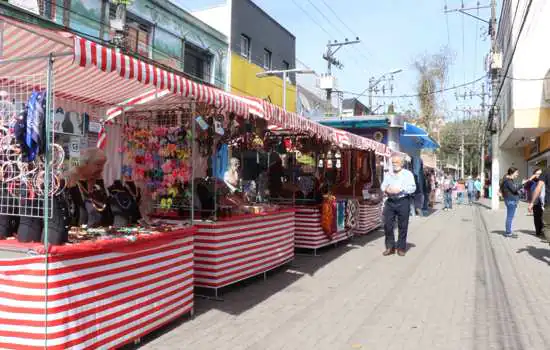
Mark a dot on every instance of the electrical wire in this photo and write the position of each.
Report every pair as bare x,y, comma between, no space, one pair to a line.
424,94
312,19
177,59
348,28
524,20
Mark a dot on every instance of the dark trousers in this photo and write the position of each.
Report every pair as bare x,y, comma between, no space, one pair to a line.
396,208
537,216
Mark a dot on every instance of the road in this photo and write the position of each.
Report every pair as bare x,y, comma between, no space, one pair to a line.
461,286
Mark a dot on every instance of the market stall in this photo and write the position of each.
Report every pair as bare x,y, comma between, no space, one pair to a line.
78,267
95,294
347,166
233,249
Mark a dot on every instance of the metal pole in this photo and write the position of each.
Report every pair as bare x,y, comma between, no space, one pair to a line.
193,157
495,166
462,157
284,90
371,80
47,177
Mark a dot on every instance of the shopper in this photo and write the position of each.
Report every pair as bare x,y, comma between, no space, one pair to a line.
448,186
478,188
538,202
470,188
399,187
510,193
460,190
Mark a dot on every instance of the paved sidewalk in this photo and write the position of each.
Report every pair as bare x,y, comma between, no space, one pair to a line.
461,286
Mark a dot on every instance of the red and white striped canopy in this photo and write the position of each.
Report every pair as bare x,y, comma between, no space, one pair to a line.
279,118
90,73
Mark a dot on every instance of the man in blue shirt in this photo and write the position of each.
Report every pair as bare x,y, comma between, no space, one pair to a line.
398,186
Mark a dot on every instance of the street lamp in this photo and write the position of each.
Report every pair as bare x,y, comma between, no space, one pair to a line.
284,73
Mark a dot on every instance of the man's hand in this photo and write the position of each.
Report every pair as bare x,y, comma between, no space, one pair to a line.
530,208
392,190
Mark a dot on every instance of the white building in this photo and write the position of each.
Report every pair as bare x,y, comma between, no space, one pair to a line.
524,101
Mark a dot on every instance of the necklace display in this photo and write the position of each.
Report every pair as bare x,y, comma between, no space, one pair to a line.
85,193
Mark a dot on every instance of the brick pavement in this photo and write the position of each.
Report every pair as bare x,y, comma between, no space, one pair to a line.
461,286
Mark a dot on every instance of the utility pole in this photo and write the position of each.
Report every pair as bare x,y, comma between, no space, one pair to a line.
462,156
482,143
329,56
495,166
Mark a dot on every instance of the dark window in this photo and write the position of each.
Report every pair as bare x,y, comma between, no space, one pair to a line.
267,59
197,62
245,46
286,65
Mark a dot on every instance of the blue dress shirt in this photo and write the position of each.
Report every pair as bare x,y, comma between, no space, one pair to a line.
404,180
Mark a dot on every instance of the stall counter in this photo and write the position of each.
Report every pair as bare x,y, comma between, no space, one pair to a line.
100,294
236,248
309,232
369,218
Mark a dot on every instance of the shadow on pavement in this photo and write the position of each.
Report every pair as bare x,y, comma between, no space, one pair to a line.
483,205
242,296
528,232
541,254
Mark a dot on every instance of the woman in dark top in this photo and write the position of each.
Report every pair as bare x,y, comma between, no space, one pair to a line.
510,192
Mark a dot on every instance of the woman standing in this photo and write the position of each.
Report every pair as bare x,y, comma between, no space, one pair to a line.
510,192
538,206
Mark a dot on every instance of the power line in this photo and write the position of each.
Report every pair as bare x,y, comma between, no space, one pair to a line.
424,94
512,57
312,19
345,25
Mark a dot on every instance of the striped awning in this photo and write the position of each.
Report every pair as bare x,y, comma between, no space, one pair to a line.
278,117
90,73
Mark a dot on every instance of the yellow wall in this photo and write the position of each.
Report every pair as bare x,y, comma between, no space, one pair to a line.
543,146
245,82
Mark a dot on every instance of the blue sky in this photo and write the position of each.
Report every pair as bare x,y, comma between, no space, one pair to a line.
393,34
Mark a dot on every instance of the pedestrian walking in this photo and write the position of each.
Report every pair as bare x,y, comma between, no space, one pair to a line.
427,192
460,191
510,193
399,186
478,187
470,188
448,186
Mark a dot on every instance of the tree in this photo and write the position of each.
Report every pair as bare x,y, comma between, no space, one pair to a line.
432,75
451,142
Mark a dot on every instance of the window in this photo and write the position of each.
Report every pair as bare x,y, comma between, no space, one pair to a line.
286,65
245,46
197,62
267,59
137,40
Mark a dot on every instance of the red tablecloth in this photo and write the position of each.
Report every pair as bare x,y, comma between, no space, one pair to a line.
234,249
101,294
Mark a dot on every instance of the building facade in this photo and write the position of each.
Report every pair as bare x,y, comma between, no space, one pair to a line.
257,43
353,107
156,30
524,102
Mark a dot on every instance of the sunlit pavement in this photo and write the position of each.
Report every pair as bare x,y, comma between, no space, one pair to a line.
461,286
